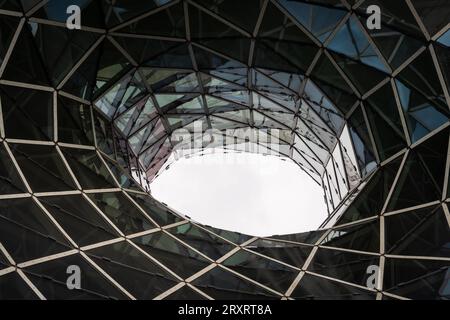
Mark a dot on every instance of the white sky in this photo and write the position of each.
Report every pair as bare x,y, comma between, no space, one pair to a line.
249,193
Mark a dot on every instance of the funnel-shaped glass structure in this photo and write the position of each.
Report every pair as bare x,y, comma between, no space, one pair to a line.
85,108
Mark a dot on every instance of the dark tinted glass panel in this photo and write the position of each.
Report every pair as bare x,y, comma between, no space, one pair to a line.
174,255
8,26
417,279
82,222
74,122
361,142
61,48
26,232
361,236
27,114
371,200
13,287
422,177
169,22
132,269
90,171
124,179
154,209
234,237
232,43
382,112
315,288
293,254
306,237
422,232
51,279
10,181
345,266
267,272
221,284
122,212
25,64
203,241
43,168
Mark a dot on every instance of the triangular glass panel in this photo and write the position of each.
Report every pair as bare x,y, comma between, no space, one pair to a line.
80,220
50,279
205,242
39,237
306,237
173,254
74,122
8,26
422,116
122,177
433,15
318,288
417,279
218,105
139,275
123,10
221,284
421,232
204,29
162,215
319,20
103,129
168,23
422,180
12,5
60,59
43,168
177,57
323,107
396,15
112,65
262,270
25,63
384,119
342,265
88,168
327,77
10,181
351,41
181,82
245,17
363,77
122,212
443,55
364,236
15,288
445,39
361,141
83,80
290,253
371,199
421,76
396,47
27,114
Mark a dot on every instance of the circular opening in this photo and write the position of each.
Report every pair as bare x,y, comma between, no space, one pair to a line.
243,192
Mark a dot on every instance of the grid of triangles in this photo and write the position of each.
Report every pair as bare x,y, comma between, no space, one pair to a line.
364,112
